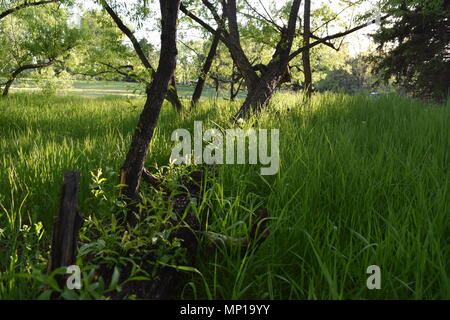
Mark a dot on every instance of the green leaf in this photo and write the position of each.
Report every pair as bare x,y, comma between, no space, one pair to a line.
114,279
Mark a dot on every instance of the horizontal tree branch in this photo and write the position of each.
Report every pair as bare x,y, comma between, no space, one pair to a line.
32,66
24,5
123,73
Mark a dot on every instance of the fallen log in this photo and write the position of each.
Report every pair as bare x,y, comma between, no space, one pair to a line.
169,281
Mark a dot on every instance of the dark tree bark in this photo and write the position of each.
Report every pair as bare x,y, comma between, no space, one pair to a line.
24,5
67,226
21,69
172,94
134,164
234,92
325,40
217,87
205,70
306,57
236,79
259,96
261,91
7,87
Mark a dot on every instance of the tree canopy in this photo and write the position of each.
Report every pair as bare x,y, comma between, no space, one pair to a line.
34,39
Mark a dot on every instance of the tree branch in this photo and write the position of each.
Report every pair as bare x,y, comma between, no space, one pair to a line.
137,47
269,20
334,36
234,47
205,25
21,69
124,73
32,66
199,56
24,5
284,46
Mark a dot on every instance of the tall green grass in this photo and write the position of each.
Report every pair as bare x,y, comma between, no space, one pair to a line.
363,181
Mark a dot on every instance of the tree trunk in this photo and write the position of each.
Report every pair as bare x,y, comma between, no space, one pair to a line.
134,164
276,72
306,54
235,80
260,94
172,95
234,93
260,90
217,86
67,224
7,87
205,70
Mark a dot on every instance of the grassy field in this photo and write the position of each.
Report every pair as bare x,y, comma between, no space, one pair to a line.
363,181
92,88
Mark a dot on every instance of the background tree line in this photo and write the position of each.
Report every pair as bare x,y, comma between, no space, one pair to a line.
44,34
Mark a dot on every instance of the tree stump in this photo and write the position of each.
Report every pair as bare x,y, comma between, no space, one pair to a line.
67,225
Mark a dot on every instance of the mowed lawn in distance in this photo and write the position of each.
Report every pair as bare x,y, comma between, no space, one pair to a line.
363,181
93,88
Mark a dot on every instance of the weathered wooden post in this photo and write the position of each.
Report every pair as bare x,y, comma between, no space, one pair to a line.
67,225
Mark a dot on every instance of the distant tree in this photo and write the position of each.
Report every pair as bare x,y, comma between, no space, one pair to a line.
33,39
346,74
190,57
104,53
205,69
262,79
415,47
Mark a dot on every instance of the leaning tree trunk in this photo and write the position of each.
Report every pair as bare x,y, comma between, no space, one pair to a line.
260,93
134,164
306,57
257,98
205,70
277,72
7,87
